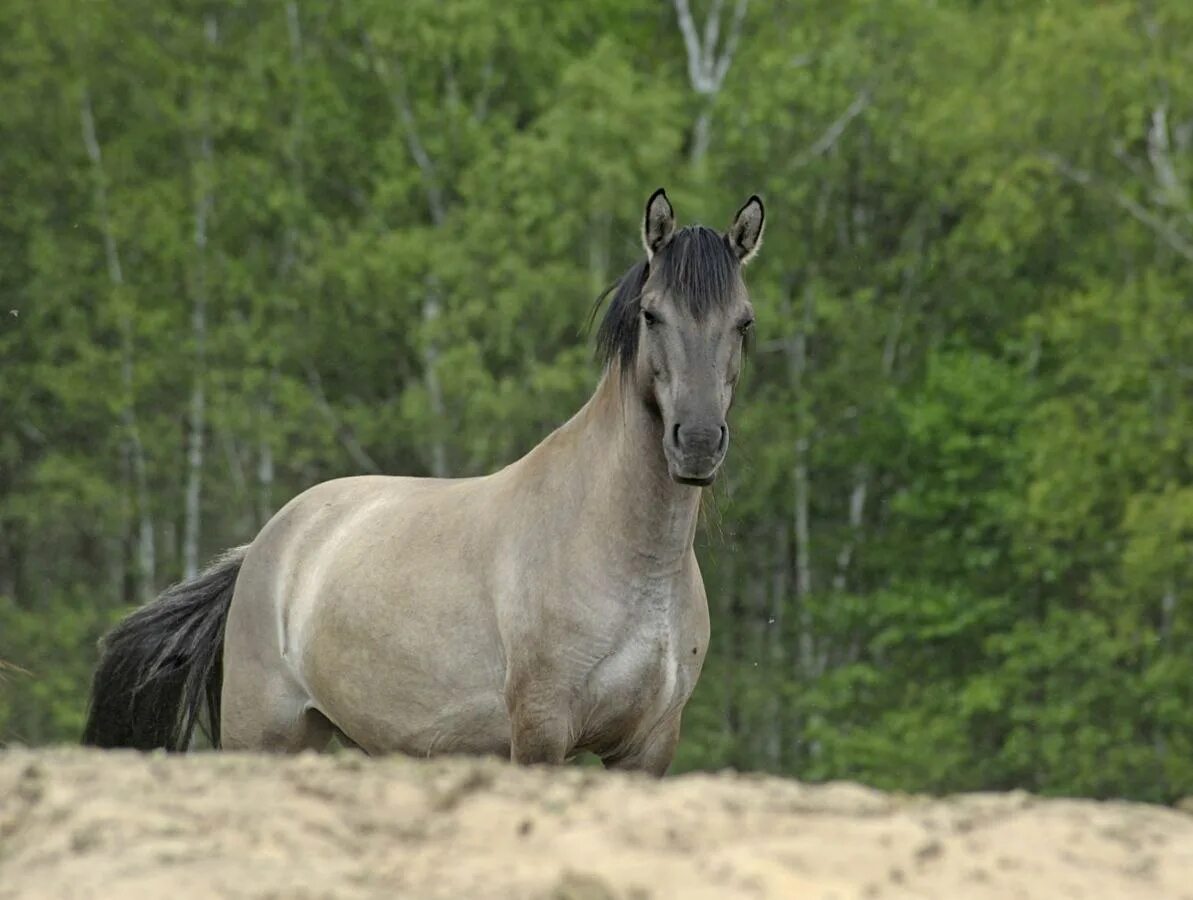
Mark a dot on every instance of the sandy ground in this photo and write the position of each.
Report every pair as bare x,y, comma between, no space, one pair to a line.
90,824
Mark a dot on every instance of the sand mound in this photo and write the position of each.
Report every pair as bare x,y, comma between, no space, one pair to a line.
93,824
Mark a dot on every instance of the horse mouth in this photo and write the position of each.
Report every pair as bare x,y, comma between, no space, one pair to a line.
698,472
695,481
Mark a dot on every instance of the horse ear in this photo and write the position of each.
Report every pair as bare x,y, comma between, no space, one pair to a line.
745,234
659,225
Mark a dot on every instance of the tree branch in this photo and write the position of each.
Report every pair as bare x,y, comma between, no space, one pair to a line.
739,18
395,80
95,154
345,434
1162,229
480,103
833,133
712,32
691,42
1172,192
707,68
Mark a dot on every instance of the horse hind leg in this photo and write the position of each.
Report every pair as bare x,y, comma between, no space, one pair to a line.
266,711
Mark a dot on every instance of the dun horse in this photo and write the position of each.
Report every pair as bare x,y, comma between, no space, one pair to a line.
551,607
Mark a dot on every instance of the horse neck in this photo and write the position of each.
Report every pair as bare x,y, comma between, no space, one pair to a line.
641,515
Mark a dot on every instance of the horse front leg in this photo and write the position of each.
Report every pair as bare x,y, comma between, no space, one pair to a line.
653,755
540,724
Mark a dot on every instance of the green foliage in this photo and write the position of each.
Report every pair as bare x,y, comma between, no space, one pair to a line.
39,700
953,548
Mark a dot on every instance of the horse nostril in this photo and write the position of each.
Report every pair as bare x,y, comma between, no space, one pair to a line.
710,440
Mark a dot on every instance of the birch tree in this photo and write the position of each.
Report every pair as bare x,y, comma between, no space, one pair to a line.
709,56
203,175
134,465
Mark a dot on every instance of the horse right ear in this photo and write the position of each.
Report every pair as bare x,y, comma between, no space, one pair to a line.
659,225
745,234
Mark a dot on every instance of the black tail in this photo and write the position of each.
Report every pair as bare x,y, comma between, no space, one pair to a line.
164,663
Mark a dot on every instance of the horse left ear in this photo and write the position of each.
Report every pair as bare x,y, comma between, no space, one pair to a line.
658,227
745,234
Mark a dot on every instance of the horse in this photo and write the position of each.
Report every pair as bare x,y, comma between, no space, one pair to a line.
552,607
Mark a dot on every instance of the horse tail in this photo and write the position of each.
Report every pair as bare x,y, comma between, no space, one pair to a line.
160,667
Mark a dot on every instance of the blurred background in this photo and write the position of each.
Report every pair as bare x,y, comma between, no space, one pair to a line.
246,247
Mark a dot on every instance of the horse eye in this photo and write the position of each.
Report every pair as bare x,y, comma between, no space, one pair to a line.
745,327
649,318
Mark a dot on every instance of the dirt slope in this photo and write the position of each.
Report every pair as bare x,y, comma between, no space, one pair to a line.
121,825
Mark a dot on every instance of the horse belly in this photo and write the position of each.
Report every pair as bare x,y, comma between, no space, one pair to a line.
421,677
400,646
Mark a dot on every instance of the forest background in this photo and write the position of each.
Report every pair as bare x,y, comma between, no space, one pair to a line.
246,247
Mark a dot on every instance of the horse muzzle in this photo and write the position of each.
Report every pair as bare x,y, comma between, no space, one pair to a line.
695,452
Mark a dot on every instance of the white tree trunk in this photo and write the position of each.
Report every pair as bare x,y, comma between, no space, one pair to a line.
394,79
240,483
708,62
133,447
857,508
798,362
204,200
777,652
431,313
730,615
264,464
294,138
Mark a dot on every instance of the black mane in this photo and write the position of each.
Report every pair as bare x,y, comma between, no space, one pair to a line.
698,268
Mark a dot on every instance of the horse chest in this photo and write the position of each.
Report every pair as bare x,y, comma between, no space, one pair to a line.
644,668
638,683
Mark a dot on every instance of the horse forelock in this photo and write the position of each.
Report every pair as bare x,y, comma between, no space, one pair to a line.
697,268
